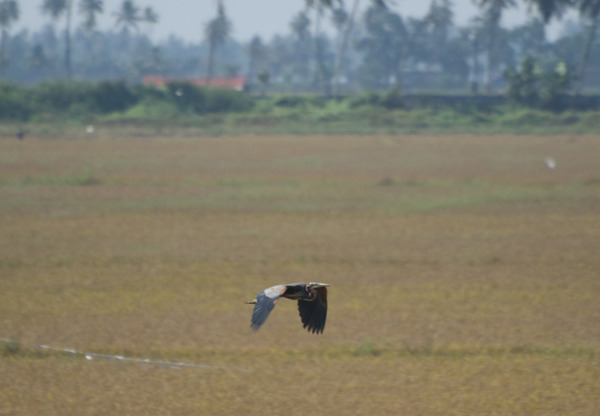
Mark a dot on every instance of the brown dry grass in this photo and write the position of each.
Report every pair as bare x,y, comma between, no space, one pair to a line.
465,274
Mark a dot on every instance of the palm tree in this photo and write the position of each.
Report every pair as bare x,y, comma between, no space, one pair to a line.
38,60
319,7
549,9
474,35
492,11
591,10
441,19
9,13
56,9
150,17
217,31
385,34
438,16
148,58
344,22
301,48
346,25
128,15
300,24
256,55
89,9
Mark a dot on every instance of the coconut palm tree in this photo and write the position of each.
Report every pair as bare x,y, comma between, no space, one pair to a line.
128,15
549,9
441,19
38,60
148,58
9,13
319,7
591,10
149,17
381,44
89,9
127,18
439,16
216,32
257,53
300,25
346,25
492,13
57,9
344,22
301,52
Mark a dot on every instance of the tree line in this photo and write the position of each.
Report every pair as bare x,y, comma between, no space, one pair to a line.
375,48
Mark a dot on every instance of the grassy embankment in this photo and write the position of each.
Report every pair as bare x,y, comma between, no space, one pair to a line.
166,117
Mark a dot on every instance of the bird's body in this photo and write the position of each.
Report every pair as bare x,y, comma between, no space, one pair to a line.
312,304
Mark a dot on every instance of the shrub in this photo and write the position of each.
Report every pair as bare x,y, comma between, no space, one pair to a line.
200,100
533,88
111,96
365,99
392,99
15,103
187,96
291,101
59,96
74,98
221,100
523,85
555,85
150,108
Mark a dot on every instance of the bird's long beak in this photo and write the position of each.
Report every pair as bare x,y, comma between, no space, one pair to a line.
252,302
316,284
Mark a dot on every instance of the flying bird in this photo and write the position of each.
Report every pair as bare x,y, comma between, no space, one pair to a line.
312,304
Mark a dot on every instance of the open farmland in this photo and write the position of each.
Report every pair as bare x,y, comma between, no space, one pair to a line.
465,273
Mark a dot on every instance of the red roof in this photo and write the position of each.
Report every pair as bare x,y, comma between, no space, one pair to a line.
234,83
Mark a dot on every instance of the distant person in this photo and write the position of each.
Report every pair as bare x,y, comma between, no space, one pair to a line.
20,134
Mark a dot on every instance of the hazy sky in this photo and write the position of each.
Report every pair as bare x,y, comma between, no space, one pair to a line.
186,18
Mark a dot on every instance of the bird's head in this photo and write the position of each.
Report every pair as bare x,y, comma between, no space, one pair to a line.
316,285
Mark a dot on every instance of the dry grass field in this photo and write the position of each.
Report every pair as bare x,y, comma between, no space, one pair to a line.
465,273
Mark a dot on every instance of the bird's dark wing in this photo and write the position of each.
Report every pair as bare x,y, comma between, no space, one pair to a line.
265,302
314,313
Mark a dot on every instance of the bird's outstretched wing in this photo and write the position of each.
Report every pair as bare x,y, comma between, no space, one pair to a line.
314,313
265,302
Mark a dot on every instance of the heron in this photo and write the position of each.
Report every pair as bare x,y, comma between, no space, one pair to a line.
312,304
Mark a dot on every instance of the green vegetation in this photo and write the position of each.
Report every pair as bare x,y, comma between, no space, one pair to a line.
533,88
344,51
89,100
64,109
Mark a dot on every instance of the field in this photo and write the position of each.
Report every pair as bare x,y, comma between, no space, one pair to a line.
465,275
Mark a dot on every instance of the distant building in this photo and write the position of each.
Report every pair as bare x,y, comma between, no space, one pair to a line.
233,83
